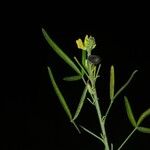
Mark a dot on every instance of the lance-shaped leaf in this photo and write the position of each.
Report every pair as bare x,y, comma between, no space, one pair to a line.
129,112
143,129
143,116
80,105
112,82
60,52
59,94
72,78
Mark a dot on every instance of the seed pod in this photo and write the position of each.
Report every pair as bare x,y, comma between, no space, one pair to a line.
94,59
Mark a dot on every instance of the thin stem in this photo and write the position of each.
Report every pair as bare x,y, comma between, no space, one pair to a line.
109,107
102,125
111,146
84,80
127,138
92,79
76,126
118,92
99,66
90,101
92,133
81,66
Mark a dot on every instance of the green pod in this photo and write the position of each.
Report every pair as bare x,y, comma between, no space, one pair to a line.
129,112
61,99
143,129
72,78
59,94
143,116
112,83
80,105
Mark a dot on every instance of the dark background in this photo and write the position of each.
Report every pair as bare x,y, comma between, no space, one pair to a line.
31,116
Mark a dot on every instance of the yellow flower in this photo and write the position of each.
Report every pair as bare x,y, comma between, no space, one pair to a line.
89,43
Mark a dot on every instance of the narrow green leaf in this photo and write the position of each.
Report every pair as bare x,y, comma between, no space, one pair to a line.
59,94
143,116
60,52
72,78
112,82
125,85
143,129
80,105
129,112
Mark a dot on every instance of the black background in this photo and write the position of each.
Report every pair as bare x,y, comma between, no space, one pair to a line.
31,116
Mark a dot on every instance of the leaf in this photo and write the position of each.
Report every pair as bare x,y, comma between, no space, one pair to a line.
143,129
72,78
143,116
129,112
112,82
125,85
59,94
60,52
80,105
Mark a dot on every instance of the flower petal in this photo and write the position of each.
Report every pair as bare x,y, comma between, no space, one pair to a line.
80,44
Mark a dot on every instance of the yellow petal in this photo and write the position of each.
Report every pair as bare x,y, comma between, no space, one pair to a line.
79,44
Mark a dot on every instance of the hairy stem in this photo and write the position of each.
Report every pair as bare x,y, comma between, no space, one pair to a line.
101,122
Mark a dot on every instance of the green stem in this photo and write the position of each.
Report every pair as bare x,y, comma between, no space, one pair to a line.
102,124
109,107
92,79
127,138
118,92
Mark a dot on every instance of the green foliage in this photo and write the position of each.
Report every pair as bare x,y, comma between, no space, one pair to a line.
60,52
137,124
61,98
88,72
